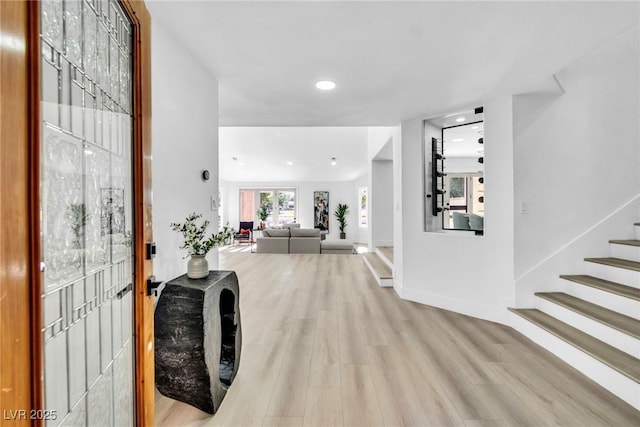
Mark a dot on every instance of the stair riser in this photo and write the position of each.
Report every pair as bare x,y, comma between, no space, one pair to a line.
618,384
611,336
614,274
625,252
384,283
384,258
623,305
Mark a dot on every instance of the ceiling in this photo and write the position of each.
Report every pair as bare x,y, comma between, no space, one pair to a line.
391,60
462,129
262,153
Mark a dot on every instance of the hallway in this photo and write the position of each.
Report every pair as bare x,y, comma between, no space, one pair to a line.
324,345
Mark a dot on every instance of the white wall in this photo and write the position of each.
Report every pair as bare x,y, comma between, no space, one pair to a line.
381,203
577,155
185,142
463,165
431,222
377,138
339,192
465,273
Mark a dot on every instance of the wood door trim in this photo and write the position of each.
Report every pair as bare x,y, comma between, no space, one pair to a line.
144,343
37,348
15,323
21,369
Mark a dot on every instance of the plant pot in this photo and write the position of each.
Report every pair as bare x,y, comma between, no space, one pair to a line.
343,236
197,267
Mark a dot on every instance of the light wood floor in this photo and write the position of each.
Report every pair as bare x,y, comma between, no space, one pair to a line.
387,251
324,345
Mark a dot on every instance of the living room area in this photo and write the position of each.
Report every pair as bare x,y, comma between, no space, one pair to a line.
295,178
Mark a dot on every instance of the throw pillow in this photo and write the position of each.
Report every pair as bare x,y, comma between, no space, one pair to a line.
245,231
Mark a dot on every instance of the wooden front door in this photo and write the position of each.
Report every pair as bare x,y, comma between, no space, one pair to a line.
75,221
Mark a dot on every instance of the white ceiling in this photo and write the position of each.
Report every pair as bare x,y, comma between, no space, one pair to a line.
392,60
265,151
462,141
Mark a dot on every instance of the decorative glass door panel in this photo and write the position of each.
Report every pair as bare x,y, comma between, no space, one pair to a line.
87,212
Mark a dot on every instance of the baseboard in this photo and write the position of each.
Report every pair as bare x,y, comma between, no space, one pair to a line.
495,313
397,286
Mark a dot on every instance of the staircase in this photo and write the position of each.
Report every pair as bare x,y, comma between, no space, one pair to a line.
381,265
593,323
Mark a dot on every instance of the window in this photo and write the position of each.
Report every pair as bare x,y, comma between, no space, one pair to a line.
363,214
280,204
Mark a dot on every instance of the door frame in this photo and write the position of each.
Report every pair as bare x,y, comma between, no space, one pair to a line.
21,370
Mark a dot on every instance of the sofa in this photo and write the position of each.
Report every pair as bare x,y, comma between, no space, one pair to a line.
290,240
463,221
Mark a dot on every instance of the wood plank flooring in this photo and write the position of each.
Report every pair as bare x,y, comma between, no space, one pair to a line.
387,251
380,267
323,344
616,262
605,285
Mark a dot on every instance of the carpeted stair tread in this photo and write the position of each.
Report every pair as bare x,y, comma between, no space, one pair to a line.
605,285
616,262
630,242
622,323
380,268
609,355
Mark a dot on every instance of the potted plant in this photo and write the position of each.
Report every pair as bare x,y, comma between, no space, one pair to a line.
341,214
197,245
262,214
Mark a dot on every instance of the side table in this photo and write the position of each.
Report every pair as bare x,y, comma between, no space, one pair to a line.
198,338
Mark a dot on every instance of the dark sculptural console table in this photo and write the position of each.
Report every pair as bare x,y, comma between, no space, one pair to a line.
198,339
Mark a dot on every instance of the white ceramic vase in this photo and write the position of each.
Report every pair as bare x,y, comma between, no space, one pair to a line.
197,267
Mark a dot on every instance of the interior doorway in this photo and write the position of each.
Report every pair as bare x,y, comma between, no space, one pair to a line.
381,219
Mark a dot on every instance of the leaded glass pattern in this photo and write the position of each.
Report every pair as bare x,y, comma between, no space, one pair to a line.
87,212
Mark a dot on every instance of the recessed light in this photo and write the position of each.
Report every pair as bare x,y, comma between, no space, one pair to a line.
289,163
240,163
475,127
457,140
325,85
460,119
333,161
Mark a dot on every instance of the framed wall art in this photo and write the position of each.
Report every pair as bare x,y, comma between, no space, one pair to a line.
321,210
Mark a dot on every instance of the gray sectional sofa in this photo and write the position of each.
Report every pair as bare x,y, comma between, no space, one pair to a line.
289,241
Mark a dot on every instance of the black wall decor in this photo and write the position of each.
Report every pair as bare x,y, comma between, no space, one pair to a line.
437,176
